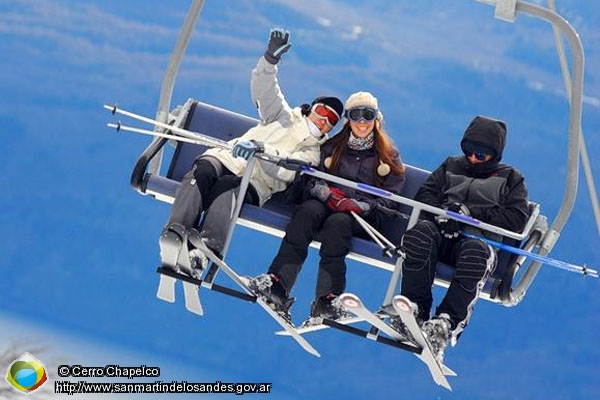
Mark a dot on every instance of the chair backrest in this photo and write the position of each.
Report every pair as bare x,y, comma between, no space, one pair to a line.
212,121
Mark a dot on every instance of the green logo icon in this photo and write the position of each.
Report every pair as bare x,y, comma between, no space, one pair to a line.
26,374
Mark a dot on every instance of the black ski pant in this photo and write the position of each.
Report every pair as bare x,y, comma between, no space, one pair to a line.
336,230
474,262
211,188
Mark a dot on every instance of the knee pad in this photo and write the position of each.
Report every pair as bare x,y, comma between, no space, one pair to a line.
420,240
475,262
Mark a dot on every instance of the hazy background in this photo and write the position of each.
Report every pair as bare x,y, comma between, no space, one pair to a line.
79,247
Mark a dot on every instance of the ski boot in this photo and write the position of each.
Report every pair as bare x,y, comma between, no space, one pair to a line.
268,288
438,331
198,261
171,243
329,307
401,328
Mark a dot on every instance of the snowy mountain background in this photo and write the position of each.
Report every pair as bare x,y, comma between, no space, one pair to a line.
79,247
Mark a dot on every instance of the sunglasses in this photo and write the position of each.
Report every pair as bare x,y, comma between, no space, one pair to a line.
323,111
480,153
365,113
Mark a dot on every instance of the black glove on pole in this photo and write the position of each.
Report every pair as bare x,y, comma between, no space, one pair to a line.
450,228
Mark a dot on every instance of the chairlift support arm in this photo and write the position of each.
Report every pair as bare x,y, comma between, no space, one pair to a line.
574,127
168,83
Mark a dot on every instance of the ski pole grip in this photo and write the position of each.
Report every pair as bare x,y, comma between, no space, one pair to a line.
292,164
287,163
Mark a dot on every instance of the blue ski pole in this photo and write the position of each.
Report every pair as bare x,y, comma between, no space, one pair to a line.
543,259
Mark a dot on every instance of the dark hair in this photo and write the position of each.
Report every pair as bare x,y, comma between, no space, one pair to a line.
305,109
385,151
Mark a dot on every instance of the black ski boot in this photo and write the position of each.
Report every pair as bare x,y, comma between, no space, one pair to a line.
402,329
268,288
329,307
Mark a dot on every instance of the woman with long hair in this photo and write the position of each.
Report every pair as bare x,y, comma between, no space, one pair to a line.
362,152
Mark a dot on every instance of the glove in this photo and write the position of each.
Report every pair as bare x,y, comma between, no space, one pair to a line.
348,205
320,190
279,43
450,228
246,149
335,195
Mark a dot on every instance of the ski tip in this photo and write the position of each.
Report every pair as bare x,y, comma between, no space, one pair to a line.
447,371
443,382
195,310
168,299
402,303
350,300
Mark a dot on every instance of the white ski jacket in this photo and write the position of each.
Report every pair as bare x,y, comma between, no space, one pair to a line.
283,131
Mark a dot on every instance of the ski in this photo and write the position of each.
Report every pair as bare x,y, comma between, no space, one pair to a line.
354,304
310,325
174,256
275,315
405,309
166,292
166,288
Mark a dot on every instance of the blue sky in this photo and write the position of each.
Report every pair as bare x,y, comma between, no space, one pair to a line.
79,247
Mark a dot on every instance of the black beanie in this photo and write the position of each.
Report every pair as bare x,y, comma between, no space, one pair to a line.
486,132
332,102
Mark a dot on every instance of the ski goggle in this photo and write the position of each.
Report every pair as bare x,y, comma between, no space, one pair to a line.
479,152
365,113
323,111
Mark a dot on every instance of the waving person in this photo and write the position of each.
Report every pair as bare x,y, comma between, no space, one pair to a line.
212,184
363,152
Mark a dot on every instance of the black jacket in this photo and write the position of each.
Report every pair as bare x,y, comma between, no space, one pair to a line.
494,193
500,199
359,166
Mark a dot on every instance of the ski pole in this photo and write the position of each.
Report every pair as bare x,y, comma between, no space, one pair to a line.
183,132
120,127
204,140
543,259
388,247
409,202
195,138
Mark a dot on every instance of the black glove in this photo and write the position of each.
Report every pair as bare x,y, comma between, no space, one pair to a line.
450,228
279,43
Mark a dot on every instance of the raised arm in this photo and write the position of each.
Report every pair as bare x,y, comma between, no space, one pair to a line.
266,93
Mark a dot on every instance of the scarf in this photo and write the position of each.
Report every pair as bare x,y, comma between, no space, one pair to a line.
355,143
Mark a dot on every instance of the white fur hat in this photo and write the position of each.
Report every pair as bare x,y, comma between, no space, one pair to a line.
362,99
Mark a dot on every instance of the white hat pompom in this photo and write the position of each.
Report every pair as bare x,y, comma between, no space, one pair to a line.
383,169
